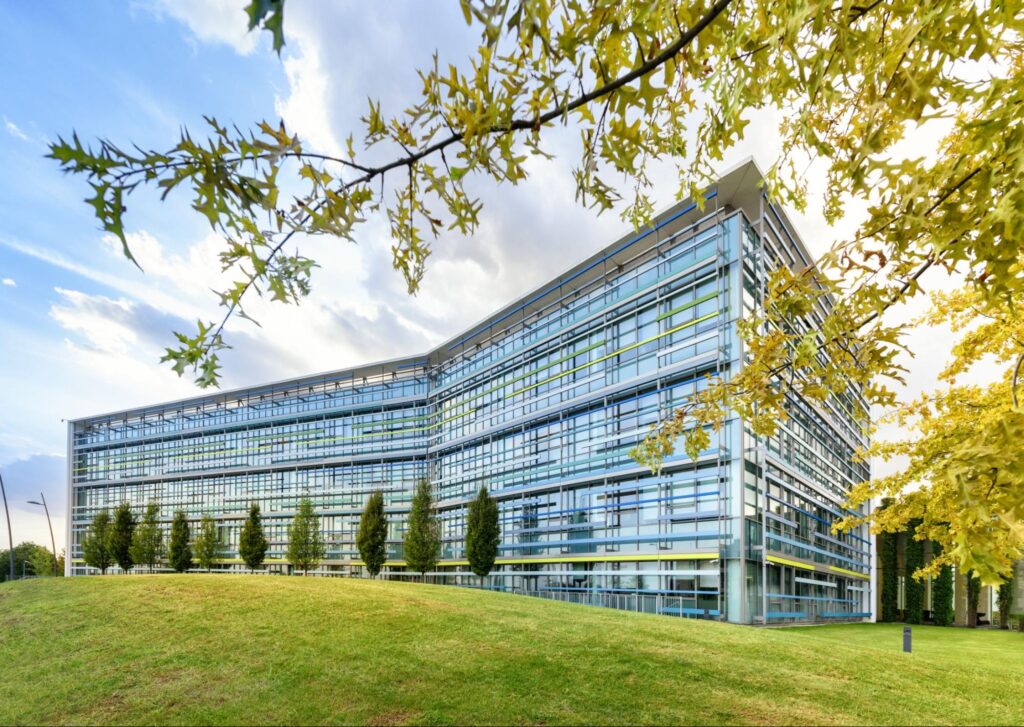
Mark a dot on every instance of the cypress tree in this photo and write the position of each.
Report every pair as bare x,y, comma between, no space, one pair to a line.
890,578
148,541
179,553
913,558
96,545
120,537
942,597
973,594
1005,601
207,545
372,539
305,543
482,533
252,543
422,532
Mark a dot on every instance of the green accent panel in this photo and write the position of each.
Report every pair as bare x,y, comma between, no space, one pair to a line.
687,306
525,374
610,304
607,356
307,442
385,422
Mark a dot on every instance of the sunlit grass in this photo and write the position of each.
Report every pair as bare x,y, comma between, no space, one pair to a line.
237,649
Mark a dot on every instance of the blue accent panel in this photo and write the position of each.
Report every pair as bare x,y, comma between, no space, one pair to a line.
551,513
683,611
840,614
800,544
555,286
812,598
786,614
714,612
617,541
627,591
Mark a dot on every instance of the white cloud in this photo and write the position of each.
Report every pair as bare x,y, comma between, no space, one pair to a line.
14,131
213,21
10,282
101,320
305,109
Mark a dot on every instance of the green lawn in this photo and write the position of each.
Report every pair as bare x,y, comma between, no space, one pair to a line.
237,649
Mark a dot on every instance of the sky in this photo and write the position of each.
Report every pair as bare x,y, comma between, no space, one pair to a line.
82,329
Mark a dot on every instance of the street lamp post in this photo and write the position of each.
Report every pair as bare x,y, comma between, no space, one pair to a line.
52,541
10,537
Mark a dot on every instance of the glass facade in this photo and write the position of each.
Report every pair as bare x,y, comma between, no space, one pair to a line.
541,403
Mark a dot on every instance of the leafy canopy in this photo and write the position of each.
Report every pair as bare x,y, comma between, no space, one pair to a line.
677,81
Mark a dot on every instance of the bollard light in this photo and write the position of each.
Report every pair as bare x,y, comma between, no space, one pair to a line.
906,639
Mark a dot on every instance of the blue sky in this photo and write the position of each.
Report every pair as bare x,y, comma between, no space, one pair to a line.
81,329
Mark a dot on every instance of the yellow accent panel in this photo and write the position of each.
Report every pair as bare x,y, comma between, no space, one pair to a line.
794,563
845,572
607,356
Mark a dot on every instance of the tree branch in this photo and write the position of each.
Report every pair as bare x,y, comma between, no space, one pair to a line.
536,122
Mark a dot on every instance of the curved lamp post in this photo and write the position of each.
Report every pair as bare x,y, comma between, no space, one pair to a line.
52,541
10,537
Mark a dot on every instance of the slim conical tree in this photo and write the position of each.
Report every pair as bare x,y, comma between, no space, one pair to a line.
207,544
179,552
148,540
483,533
306,546
942,592
252,543
422,532
120,537
96,545
373,534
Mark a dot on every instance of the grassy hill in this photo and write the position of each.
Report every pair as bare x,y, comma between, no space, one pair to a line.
235,649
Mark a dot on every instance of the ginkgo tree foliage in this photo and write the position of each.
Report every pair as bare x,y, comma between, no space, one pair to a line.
677,81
